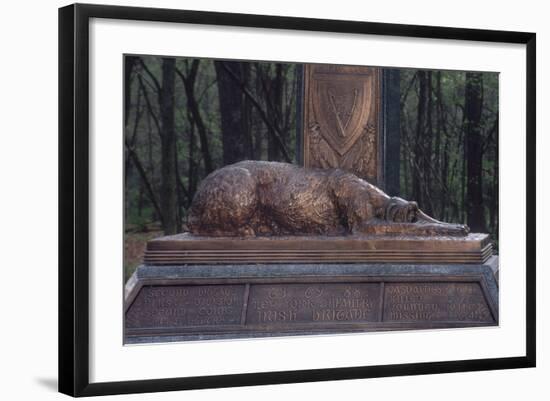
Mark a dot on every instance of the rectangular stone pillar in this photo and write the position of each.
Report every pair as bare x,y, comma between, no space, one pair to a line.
342,119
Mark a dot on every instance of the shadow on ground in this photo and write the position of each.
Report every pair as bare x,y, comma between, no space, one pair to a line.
48,382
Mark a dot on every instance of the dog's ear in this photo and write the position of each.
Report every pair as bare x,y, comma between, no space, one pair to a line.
412,212
392,208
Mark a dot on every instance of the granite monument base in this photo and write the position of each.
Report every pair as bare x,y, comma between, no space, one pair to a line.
198,302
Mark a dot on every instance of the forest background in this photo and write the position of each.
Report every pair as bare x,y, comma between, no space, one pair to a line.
185,118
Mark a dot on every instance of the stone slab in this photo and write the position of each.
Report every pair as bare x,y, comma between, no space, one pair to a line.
186,248
196,302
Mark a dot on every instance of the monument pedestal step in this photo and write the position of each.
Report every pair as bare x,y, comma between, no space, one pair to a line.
189,249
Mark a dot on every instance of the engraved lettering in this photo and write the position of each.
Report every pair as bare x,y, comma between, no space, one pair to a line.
435,302
276,316
302,303
186,306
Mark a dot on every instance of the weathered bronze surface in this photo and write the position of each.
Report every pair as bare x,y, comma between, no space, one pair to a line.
435,302
311,303
342,119
187,248
255,198
365,299
186,305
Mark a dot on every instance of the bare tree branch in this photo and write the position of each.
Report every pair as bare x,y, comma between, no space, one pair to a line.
189,85
153,78
273,130
134,157
149,106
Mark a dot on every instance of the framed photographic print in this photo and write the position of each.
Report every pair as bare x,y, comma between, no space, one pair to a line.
238,192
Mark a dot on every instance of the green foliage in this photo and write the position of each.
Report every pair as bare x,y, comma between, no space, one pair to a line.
433,153
143,130
443,181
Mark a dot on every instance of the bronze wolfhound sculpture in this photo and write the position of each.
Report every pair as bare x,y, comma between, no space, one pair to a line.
258,198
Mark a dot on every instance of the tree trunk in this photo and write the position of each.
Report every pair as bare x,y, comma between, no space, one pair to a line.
140,199
271,124
405,156
441,160
195,113
427,151
419,159
246,115
192,173
472,107
439,122
230,98
275,97
169,200
494,196
129,63
261,132
445,198
463,176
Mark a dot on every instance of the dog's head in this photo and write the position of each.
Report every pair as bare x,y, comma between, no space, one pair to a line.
399,210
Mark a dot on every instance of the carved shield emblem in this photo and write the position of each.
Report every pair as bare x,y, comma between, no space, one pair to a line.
341,118
343,108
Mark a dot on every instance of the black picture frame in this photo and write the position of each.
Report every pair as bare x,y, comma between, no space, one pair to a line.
74,198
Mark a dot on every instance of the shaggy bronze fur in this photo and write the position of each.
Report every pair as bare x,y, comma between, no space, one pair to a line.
257,198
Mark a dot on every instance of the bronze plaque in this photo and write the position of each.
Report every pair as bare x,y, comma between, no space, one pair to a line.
306,303
186,306
435,302
287,304
341,119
